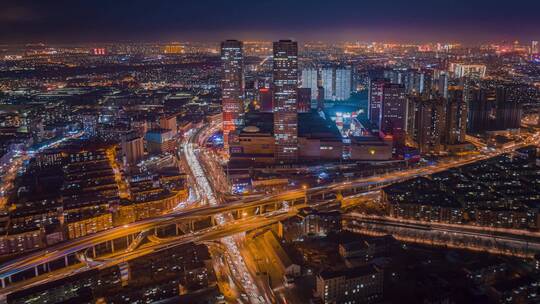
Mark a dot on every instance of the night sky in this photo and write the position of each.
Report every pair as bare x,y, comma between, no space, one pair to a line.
208,20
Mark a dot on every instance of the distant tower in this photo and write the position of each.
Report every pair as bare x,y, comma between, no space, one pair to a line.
285,80
232,86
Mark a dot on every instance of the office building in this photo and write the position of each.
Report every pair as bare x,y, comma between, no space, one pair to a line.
232,86
285,85
393,118
310,80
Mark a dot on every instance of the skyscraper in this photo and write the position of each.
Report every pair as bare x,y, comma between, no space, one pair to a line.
393,119
232,86
376,87
310,80
285,80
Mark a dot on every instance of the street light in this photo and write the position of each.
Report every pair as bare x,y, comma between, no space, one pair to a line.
305,193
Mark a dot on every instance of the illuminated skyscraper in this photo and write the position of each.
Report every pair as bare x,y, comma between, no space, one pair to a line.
285,79
232,86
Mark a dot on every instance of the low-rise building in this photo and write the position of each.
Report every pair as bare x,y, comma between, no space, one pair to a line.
363,284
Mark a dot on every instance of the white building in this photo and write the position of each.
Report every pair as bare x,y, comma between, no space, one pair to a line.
336,83
309,80
469,70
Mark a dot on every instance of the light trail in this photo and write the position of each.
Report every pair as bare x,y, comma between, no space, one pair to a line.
240,270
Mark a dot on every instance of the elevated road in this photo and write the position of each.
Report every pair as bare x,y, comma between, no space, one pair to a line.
216,212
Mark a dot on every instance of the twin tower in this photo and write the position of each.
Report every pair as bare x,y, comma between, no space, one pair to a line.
285,99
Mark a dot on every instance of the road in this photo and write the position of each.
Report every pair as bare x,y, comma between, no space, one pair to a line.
438,235
238,266
155,245
214,208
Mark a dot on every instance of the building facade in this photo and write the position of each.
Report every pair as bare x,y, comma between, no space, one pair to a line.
285,106
232,86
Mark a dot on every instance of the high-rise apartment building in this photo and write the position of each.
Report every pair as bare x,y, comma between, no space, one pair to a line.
310,80
132,149
232,86
285,85
535,47
343,84
375,97
336,83
508,110
468,70
456,117
429,122
481,103
327,82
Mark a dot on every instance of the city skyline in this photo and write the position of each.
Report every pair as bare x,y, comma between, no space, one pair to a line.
270,152
403,21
